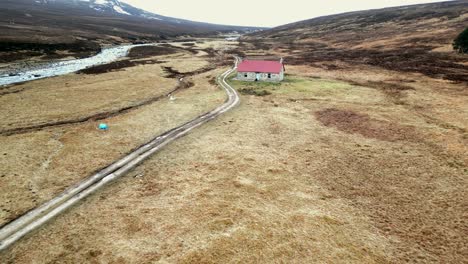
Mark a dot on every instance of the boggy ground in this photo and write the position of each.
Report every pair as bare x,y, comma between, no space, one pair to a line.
362,165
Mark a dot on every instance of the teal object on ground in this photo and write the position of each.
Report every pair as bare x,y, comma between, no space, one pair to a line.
103,126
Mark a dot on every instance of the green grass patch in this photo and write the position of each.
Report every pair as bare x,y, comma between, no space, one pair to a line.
292,85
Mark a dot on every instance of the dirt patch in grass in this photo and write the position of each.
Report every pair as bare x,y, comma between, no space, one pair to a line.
212,81
355,123
184,48
12,88
116,66
393,90
6,57
173,73
150,51
256,92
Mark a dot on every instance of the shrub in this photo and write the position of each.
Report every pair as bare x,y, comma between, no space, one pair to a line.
460,44
251,91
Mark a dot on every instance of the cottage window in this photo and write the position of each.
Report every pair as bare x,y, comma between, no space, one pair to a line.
269,76
245,75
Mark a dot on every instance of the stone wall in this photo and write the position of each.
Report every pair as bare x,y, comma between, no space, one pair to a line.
264,77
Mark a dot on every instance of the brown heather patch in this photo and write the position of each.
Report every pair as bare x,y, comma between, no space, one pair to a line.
116,66
393,90
150,51
173,73
355,123
212,81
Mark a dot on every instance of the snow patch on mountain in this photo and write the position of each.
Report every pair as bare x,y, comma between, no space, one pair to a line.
110,6
97,2
120,10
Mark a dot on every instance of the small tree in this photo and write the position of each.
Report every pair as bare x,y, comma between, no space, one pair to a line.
460,44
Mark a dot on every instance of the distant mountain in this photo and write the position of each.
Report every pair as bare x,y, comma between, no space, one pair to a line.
104,21
108,7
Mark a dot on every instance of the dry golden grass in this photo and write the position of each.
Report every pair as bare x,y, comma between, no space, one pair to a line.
280,179
219,44
440,105
187,64
73,96
229,192
37,165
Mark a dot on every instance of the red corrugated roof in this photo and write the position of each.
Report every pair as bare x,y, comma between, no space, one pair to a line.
260,66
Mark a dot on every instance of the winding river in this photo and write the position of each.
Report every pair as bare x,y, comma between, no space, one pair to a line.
64,67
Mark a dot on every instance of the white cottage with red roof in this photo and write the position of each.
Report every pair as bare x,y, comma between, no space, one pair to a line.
260,70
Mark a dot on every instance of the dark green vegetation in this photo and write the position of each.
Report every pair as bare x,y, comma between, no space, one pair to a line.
460,44
116,66
11,51
401,39
149,51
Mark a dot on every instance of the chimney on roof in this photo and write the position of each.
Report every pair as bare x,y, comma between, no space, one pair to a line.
281,60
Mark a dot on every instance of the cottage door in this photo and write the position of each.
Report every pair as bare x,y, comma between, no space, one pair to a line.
257,77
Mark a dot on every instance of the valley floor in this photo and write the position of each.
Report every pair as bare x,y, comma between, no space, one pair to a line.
361,165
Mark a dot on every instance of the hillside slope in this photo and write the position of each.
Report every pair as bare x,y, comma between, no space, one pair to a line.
82,26
46,20
410,38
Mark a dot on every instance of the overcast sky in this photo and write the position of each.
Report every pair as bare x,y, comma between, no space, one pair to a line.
267,13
